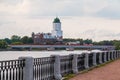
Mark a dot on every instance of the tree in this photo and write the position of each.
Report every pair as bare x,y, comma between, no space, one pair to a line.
88,41
17,43
16,38
27,40
7,40
24,40
30,40
116,44
3,44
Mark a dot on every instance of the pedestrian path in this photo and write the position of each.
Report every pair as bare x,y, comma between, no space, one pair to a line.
110,71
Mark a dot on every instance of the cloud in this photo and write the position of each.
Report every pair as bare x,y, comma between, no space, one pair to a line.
110,11
80,18
99,35
53,7
10,2
35,8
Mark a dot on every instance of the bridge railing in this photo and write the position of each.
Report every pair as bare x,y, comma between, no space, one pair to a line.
54,67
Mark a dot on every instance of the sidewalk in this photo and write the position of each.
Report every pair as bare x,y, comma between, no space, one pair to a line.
110,71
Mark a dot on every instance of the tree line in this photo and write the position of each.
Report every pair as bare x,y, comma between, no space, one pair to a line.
15,40
115,43
18,40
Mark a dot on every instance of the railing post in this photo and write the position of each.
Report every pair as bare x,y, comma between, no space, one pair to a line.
28,69
57,70
100,58
119,54
75,63
105,57
86,60
115,55
112,55
94,59
109,56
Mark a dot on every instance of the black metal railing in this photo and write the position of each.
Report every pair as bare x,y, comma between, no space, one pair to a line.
43,68
66,65
110,55
97,58
107,57
81,62
113,54
90,60
103,54
11,70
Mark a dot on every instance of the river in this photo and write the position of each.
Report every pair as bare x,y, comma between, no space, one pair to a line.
11,55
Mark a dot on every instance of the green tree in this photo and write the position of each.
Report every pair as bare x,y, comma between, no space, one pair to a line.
17,43
27,40
15,38
3,44
24,40
88,41
7,40
30,40
116,44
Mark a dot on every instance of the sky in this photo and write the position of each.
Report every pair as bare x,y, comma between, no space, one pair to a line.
92,19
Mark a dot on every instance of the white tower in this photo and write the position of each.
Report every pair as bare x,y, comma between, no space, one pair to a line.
57,32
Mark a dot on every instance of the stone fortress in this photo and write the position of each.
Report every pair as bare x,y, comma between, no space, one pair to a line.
55,37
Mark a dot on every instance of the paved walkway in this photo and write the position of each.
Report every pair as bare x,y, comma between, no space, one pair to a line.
110,71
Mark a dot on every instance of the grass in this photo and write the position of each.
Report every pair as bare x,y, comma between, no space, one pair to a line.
67,77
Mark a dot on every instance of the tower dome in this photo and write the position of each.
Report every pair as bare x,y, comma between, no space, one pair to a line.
57,32
56,20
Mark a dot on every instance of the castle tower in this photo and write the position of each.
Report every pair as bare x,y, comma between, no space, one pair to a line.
57,32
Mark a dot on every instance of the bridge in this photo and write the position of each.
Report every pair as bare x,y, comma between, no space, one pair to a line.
62,46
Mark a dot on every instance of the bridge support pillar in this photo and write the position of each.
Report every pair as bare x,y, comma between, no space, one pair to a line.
50,48
30,48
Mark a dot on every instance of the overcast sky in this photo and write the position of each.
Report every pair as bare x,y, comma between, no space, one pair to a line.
93,19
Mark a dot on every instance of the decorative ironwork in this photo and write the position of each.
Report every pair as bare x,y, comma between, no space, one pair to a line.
81,61
11,70
66,65
43,68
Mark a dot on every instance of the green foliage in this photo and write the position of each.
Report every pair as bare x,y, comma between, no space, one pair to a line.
105,42
15,38
30,40
88,41
117,45
7,40
3,45
26,40
17,43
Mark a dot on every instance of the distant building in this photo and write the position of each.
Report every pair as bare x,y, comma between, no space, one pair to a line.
56,37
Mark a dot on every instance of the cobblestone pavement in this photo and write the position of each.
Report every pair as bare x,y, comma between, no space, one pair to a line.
110,71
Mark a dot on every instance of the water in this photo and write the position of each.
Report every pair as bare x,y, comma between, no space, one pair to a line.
10,55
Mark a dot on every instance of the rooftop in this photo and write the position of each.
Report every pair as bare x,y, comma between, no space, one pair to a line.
56,20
